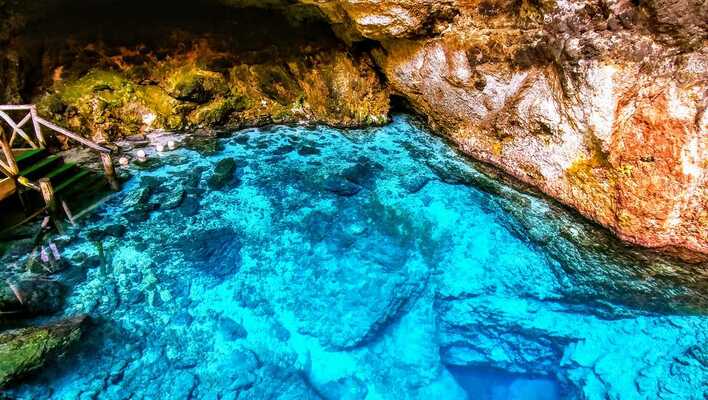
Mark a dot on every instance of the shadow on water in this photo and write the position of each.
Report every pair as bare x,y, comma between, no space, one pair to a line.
490,384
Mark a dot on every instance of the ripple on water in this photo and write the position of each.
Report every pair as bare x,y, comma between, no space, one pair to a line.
364,265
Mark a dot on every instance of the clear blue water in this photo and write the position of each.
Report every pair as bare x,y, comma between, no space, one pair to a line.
372,264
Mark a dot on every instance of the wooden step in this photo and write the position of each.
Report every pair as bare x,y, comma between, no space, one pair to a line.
61,173
84,187
40,168
28,157
85,195
76,179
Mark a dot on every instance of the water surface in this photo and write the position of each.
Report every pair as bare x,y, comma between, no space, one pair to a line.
373,264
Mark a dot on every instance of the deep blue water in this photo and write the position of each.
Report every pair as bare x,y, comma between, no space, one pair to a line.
486,384
371,264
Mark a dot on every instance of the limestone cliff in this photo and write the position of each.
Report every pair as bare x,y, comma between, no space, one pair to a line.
600,104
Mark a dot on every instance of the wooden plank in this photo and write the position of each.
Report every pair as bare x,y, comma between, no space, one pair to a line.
25,119
47,189
10,163
73,136
10,107
5,169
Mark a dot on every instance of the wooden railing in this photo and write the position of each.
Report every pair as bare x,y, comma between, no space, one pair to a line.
8,146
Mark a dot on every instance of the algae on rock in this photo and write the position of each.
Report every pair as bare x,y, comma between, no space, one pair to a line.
23,351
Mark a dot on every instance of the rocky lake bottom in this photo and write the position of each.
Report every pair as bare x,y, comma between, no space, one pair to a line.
315,263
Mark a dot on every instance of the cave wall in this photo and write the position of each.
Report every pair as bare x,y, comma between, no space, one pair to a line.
109,69
598,103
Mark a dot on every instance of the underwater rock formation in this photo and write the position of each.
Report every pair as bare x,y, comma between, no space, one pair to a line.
23,351
31,297
406,289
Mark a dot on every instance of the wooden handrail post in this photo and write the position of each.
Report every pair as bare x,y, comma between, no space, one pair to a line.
9,155
37,127
110,171
45,185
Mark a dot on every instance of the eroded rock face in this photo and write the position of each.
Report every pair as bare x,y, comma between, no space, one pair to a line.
599,104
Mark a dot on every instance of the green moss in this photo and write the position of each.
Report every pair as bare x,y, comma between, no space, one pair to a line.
157,100
190,83
216,112
107,84
25,350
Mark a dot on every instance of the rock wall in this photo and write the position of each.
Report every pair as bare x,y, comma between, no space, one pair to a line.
600,104
121,73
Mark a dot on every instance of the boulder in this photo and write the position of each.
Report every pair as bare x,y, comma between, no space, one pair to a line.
223,174
23,351
341,186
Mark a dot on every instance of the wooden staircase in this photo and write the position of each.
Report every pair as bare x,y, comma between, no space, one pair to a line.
34,181
68,179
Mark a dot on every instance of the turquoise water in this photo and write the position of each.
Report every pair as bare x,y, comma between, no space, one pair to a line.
372,264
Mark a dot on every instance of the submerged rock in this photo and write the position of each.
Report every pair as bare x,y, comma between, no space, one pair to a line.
232,330
215,251
341,186
189,206
308,151
23,351
171,199
114,230
223,174
349,388
206,145
31,297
